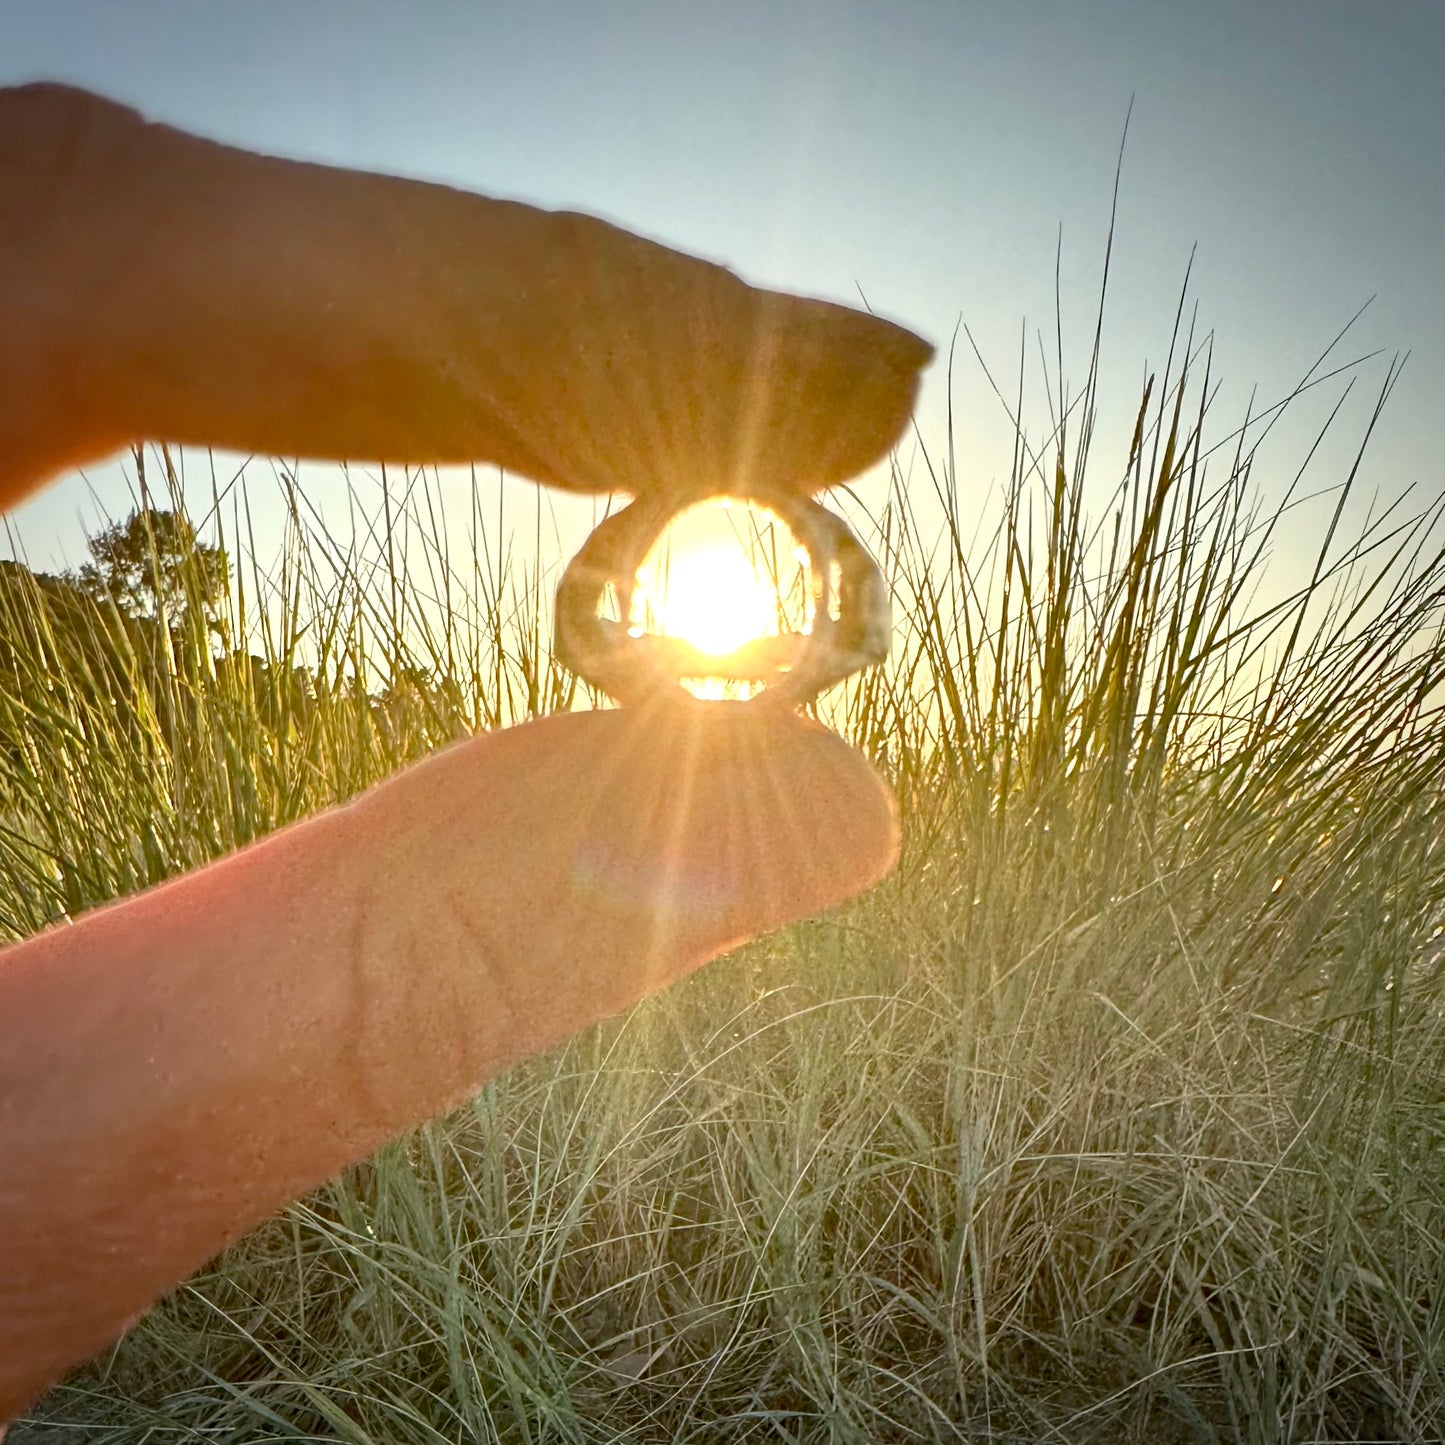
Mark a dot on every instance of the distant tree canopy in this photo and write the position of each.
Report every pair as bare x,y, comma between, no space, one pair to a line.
115,631
140,630
152,565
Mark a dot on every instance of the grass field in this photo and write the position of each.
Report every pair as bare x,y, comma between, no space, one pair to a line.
1116,1114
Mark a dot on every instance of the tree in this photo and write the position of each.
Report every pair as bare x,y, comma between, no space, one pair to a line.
152,565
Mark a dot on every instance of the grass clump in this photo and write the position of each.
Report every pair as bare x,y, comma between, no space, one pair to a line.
1114,1115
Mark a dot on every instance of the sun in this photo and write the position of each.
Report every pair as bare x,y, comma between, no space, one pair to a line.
708,579
709,595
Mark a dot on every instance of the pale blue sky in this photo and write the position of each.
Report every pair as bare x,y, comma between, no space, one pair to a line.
924,151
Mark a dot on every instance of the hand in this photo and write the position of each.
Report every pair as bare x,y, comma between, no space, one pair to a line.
177,1066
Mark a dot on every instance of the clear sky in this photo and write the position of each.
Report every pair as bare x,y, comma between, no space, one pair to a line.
924,151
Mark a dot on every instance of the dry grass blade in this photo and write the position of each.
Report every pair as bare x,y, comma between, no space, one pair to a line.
1113,1116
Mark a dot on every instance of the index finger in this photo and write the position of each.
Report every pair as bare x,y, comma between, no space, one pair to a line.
197,293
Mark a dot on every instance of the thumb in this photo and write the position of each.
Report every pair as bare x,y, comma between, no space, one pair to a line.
207,1050
596,857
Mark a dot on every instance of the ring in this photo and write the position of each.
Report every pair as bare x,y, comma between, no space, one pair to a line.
850,624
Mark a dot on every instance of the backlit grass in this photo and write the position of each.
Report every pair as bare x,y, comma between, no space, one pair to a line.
1115,1115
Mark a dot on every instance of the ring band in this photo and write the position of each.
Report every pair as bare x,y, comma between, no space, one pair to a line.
851,627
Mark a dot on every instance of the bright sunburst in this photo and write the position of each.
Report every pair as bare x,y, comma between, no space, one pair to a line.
707,580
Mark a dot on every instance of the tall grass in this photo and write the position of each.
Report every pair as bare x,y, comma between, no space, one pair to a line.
1115,1115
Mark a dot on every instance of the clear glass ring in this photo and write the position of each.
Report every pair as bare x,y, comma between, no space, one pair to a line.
850,626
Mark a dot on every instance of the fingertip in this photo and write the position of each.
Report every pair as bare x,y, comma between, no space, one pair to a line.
845,386
770,817
837,818
640,842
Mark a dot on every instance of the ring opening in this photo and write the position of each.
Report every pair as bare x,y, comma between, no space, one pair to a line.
731,581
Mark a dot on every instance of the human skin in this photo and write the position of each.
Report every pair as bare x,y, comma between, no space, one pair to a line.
221,298
176,1066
